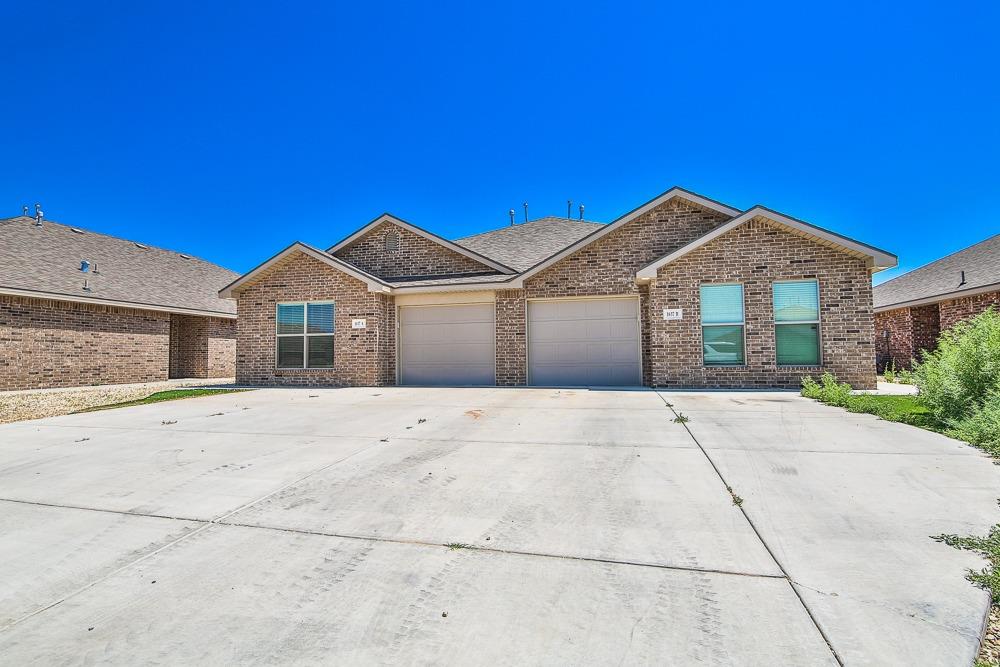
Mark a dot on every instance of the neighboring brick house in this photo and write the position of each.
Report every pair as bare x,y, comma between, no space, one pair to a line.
911,310
80,308
682,291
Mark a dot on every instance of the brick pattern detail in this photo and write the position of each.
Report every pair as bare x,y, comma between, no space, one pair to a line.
608,265
202,347
416,256
59,344
960,309
360,355
511,339
901,334
756,254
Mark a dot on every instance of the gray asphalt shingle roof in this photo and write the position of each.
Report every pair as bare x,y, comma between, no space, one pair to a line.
522,246
47,259
981,263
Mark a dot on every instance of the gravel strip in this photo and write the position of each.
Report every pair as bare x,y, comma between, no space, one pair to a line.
989,654
20,405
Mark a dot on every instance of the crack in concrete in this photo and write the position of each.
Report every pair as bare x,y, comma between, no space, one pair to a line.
767,547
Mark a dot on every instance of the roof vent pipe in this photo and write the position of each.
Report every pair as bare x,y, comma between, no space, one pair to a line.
85,266
525,211
581,211
511,216
24,211
569,209
38,215
963,279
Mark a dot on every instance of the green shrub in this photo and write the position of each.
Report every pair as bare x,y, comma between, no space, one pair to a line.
963,374
904,376
890,371
827,390
981,427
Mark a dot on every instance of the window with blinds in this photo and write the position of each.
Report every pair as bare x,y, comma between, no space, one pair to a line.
305,334
796,322
722,325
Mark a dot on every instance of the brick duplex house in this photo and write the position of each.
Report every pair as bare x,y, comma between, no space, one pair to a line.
912,310
681,291
81,308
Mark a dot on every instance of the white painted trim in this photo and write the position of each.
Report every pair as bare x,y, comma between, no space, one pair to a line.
446,298
879,258
441,241
53,296
231,291
947,296
672,193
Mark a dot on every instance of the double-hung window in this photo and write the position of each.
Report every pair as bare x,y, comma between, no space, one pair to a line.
722,325
305,334
796,322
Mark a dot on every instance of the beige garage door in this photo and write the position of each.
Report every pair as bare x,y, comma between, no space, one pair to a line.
582,342
447,345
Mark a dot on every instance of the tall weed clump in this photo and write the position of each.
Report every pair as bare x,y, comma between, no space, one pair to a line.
960,380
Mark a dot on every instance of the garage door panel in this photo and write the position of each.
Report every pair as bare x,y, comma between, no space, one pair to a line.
584,342
447,345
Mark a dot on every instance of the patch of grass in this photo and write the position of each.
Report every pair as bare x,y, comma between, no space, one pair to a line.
989,548
457,545
169,395
904,409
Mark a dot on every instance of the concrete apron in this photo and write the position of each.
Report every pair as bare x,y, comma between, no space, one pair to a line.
478,525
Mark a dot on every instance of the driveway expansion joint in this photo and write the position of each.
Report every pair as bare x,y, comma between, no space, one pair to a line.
767,547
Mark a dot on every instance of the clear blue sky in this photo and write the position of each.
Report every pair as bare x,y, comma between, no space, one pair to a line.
230,132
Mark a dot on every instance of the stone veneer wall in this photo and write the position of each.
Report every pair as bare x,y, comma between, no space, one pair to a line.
756,254
46,343
416,256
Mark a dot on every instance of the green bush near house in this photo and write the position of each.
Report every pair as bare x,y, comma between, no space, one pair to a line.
960,380
905,409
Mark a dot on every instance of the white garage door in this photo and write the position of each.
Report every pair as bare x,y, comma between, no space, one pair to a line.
584,342
447,345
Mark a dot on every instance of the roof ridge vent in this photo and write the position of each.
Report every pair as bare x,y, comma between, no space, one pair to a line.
140,246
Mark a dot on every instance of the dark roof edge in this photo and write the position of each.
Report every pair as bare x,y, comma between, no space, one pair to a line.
936,298
137,305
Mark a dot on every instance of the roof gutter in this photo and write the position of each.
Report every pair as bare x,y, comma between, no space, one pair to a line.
55,296
947,296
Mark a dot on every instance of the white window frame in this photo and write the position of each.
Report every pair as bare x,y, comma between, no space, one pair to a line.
305,334
742,324
819,326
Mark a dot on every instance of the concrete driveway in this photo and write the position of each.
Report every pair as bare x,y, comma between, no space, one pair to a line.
487,526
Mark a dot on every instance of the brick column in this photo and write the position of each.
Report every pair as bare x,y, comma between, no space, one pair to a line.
511,337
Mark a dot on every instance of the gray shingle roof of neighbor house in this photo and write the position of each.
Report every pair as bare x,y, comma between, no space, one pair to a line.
523,245
44,261
943,278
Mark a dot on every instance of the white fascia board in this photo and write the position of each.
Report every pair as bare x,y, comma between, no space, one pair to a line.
72,298
441,241
947,296
672,193
374,284
879,259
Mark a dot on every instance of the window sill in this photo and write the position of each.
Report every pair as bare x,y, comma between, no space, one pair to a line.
302,370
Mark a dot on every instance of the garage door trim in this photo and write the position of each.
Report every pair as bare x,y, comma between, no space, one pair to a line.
527,325
399,332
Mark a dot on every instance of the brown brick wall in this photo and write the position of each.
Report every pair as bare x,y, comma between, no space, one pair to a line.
894,338
59,344
202,347
608,265
756,254
360,355
416,256
511,343
959,309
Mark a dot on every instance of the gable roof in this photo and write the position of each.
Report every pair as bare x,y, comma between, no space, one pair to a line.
375,284
672,193
523,245
942,278
44,262
877,259
440,240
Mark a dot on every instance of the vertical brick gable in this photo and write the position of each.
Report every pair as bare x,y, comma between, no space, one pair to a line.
416,255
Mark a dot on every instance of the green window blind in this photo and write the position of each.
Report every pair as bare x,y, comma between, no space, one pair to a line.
722,325
796,323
